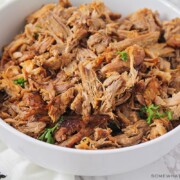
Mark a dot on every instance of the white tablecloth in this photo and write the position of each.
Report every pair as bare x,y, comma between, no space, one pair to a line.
17,168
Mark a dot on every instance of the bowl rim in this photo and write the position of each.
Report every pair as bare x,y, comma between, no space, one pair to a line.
165,2
31,140
34,141
171,5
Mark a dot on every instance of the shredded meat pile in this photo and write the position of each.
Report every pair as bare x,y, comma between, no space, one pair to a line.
83,77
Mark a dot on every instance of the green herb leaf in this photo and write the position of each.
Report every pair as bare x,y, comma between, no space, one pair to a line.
47,135
169,114
152,112
20,81
159,115
123,55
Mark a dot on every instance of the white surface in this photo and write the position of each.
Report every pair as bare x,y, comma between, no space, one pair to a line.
18,168
31,149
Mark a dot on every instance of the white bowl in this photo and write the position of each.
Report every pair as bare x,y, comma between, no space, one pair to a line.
72,161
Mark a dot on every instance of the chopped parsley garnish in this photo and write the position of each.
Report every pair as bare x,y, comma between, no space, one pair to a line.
169,115
20,81
47,135
123,55
152,112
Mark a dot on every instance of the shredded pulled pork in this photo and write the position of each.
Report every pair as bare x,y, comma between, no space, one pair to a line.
83,77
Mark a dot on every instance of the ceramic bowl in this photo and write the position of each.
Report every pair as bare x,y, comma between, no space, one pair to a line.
72,161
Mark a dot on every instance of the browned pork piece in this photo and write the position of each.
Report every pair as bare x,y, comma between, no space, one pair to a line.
158,128
172,32
84,77
120,66
102,139
132,134
159,50
82,130
141,40
33,129
145,20
59,104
